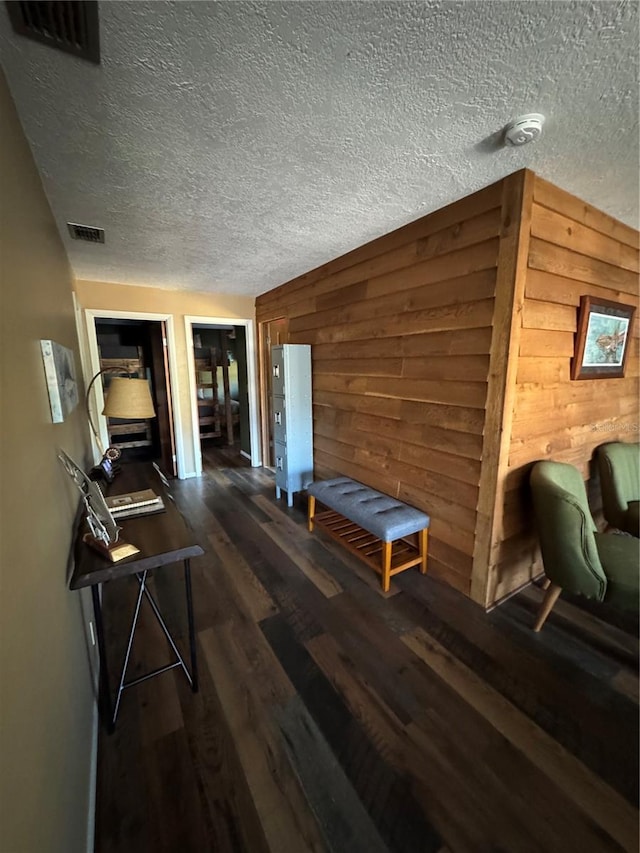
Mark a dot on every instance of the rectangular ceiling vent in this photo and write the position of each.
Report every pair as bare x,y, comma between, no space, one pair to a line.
68,25
86,232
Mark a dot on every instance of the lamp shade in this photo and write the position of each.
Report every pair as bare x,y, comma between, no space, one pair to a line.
129,399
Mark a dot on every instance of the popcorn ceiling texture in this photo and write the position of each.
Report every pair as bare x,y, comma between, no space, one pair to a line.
230,146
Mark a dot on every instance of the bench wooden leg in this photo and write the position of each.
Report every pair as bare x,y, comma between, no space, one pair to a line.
311,509
386,565
423,539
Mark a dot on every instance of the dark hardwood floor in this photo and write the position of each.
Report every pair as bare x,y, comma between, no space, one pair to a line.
333,717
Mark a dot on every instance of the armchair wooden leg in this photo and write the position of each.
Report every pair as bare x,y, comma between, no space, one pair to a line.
546,583
546,607
311,510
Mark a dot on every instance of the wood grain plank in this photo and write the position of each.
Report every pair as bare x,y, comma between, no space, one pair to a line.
485,199
285,817
554,198
554,288
553,227
594,798
345,823
554,259
389,802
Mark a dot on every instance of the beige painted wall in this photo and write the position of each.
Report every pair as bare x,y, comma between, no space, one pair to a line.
46,699
124,297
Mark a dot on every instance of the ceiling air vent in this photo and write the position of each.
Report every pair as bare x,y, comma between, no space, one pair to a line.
69,25
86,232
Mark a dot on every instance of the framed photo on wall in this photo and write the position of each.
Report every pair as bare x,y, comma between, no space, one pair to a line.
60,374
602,339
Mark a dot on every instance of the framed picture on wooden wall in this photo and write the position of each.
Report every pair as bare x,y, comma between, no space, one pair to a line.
602,339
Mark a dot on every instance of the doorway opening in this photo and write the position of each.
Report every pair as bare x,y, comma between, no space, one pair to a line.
222,379
140,346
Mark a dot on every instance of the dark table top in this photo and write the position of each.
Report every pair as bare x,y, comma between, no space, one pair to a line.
162,537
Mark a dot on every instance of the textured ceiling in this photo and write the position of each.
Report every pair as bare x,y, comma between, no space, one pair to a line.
229,146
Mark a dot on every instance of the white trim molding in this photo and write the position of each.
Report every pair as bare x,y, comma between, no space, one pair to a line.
93,314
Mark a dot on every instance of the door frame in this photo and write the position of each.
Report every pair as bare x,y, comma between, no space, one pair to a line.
252,386
93,315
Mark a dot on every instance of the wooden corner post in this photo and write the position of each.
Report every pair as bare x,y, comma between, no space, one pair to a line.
513,251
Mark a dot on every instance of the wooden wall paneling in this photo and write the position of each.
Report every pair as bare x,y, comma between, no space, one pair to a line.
474,341
457,467
547,315
510,286
485,199
362,366
451,267
546,342
378,406
400,334
458,418
446,318
575,250
551,196
553,227
458,393
558,289
439,508
398,271
472,368
560,261
462,444
467,288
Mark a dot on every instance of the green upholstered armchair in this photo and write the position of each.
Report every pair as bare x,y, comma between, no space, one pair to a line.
576,557
619,468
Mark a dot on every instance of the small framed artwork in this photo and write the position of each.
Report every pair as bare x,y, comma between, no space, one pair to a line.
602,339
60,373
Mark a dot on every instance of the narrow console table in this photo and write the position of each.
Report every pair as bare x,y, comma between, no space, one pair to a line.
163,539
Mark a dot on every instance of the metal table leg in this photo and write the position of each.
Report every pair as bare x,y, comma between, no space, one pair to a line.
192,632
109,712
104,695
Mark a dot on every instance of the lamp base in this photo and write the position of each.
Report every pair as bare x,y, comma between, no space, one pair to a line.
115,552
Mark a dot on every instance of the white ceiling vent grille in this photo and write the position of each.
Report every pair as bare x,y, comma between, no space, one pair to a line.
68,25
86,232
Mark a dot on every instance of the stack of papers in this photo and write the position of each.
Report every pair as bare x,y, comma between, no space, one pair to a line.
134,503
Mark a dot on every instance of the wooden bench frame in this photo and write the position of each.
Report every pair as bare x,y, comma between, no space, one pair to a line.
381,556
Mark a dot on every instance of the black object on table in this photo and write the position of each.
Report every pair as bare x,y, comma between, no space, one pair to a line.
163,538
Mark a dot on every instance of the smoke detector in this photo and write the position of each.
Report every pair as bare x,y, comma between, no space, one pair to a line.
524,129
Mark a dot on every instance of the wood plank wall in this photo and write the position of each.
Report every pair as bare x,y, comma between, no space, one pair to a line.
401,332
573,250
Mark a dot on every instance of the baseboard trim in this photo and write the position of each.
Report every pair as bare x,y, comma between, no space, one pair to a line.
93,782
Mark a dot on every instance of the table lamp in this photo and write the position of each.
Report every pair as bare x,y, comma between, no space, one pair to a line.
127,398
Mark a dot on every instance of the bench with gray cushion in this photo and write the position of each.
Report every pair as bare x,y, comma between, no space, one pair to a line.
389,535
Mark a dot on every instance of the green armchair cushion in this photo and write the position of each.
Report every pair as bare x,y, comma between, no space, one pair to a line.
567,530
620,560
619,469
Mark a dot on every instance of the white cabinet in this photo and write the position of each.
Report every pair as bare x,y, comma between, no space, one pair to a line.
292,418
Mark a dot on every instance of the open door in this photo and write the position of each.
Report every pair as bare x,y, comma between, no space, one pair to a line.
162,395
272,333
